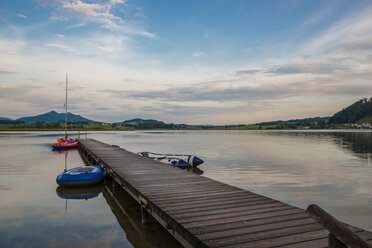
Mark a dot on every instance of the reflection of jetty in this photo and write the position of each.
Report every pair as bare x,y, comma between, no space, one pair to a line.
201,212
128,215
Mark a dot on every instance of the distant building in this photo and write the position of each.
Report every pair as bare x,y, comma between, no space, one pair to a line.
367,125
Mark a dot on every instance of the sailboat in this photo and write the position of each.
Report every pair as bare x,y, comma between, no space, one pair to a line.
65,142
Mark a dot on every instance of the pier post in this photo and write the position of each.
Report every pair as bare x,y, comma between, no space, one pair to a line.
144,215
340,235
334,242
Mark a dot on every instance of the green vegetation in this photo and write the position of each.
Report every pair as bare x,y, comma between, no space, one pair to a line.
367,119
44,126
355,113
58,126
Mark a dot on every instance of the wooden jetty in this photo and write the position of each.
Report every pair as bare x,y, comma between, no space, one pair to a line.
202,212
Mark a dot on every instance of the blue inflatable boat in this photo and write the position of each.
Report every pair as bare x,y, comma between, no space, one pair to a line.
81,176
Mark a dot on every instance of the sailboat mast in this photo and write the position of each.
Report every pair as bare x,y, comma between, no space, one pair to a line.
66,110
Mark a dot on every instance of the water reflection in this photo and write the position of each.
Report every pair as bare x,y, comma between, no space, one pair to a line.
79,193
195,170
128,214
64,151
360,144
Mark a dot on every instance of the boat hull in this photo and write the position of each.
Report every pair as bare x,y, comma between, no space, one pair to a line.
65,145
81,176
176,160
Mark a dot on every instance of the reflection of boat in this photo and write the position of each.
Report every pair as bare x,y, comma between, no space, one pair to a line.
81,176
176,160
79,192
63,151
65,143
195,170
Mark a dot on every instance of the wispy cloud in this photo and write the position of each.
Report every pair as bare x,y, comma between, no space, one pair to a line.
355,26
298,67
100,13
7,72
355,45
59,46
22,16
248,71
95,11
210,92
199,54
156,61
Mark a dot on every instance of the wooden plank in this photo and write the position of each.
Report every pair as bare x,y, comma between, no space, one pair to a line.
188,197
214,216
232,209
285,240
320,243
175,192
173,184
264,235
217,205
254,229
242,218
232,196
187,190
241,224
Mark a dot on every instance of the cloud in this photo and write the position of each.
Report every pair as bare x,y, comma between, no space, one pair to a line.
347,29
92,10
229,91
310,67
199,54
17,97
202,94
154,61
355,45
242,72
22,16
7,72
59,46
100,13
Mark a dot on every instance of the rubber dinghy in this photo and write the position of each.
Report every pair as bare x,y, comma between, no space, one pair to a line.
176,160
81,176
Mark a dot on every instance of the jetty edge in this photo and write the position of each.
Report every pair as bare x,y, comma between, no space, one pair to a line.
201,212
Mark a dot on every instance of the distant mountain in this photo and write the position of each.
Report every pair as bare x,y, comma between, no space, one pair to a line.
5,119
359,110
305,120
53,116
140,122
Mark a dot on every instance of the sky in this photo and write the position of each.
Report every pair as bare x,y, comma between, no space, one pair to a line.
194,62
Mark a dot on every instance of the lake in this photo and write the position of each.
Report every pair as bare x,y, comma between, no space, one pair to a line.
330,168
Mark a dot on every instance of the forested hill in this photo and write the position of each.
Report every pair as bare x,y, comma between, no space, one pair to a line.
354,113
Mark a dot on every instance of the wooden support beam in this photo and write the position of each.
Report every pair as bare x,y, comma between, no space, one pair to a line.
337,229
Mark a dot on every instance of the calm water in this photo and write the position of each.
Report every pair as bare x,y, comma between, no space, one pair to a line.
332,169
